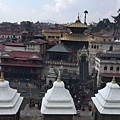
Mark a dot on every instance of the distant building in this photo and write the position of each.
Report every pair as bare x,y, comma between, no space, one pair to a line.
103,36
21,65
107,65
53,35
76,37
100,46
2,50
60,55
39,36
10,101
37,45
15,46
59,52
9,35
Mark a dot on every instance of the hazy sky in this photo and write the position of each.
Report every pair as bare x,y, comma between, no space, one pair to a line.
62,11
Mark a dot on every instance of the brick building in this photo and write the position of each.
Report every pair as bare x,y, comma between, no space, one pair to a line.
21,65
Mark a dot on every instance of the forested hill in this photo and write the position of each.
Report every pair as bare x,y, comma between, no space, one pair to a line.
107,25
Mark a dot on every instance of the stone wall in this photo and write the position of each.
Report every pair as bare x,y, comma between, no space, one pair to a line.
58,117
99,116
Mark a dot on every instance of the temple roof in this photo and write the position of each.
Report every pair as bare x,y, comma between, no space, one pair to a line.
59,48
107,100
36,42
77,24
76,37
39,35
58,100
22,55
10,100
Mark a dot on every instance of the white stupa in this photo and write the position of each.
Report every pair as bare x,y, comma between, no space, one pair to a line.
10,100
107,100
58,101
51,75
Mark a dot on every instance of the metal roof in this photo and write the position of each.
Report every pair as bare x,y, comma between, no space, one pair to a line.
59,48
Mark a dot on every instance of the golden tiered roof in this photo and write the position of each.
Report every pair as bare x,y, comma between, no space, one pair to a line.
76,37
78,24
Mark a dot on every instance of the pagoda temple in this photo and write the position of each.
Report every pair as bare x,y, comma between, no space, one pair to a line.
107,102
10,101
58,103
76,38
78,41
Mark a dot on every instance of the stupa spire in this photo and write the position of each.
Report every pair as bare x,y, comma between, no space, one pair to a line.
58,78
2,77
84,49
113,80
78,19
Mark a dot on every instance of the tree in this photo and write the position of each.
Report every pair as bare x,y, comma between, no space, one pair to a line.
86,12
116,23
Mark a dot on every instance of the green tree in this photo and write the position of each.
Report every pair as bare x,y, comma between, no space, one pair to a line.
116,23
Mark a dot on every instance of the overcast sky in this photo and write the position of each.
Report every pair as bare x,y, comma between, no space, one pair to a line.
61,11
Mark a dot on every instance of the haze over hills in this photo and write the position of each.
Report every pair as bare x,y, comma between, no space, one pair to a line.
49,21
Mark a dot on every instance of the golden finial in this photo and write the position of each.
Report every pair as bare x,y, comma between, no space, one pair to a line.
78,19
84,49
2,77
58,78
113,80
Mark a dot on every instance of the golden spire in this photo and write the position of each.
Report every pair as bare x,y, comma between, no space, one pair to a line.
113,80
58,78
78,19
2,77
84,49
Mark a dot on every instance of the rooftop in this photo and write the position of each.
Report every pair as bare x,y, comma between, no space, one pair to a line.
37,41
59,48
21,54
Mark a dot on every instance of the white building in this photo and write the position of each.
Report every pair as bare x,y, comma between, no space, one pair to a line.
11,46
100,46
36,45
107,65
9,35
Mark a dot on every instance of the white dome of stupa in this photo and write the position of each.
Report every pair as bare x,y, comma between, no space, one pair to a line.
107,100
10,100
58,100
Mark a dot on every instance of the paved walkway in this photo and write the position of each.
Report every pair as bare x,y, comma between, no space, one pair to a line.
34,112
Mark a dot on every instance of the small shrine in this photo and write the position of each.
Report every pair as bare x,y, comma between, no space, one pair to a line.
10,101
57,104
51,75
107,102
